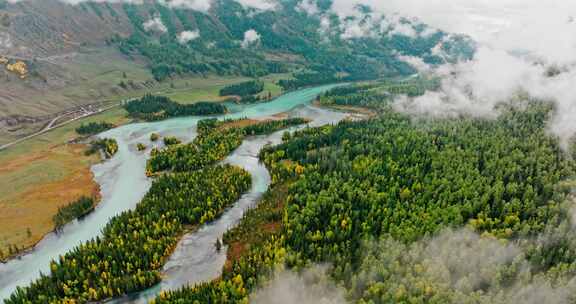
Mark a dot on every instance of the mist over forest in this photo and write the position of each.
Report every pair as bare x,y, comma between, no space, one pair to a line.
427,155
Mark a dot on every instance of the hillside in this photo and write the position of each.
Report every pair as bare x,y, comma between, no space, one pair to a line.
81,54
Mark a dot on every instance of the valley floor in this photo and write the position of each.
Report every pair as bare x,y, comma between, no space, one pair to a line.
40,175
43,173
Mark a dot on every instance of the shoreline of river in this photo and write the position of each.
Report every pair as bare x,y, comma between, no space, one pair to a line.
195,259
94,187
84,141
123,183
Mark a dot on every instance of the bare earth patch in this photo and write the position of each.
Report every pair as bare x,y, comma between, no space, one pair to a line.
366,112
239,124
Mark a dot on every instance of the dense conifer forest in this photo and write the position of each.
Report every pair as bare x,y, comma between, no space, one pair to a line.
93,128
243,89
376,95
310,79
73,210
368,197
153,108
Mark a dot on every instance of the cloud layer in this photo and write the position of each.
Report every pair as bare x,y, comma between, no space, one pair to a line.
520,42
251,37
460,266
187,36
312,286
154,25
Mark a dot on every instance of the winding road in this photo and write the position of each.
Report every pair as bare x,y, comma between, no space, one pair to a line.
50,126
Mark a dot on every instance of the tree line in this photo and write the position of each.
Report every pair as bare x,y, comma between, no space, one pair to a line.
153,108
94,128
108,146
73,210
375,95
171,140
243,89
305,79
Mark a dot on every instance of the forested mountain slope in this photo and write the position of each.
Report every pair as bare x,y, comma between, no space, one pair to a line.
54,40
220,45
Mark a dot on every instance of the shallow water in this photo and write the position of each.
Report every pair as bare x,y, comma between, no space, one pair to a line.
123,184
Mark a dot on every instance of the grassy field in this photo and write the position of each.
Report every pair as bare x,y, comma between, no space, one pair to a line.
270,85
204,89
208,89
41,174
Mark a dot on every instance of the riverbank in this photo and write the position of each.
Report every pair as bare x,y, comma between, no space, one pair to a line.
49,170
196,259
32,188
124,183
362,111
40,175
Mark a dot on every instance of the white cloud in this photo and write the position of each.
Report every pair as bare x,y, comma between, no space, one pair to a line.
476,87
74,2
251,37
503,24
416,62
346,8
187,36
204,5
263,5
308,6
518,41
355,22
403,29
325,26
154,25
354,29
312,286
428,31
197,5
460,266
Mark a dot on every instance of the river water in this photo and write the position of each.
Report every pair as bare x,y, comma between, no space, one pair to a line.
123,184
